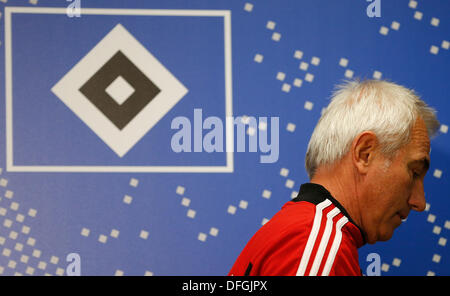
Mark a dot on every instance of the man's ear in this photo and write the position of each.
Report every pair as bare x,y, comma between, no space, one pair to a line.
364,148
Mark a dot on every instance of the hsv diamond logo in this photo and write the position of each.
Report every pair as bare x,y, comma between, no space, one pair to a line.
103,98
120,90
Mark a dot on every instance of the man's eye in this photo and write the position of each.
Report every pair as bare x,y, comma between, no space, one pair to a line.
416,175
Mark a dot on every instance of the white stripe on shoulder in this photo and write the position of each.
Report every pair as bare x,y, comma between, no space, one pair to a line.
324,241
312,237
335,246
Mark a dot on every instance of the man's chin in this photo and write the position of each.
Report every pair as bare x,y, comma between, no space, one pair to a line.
380,237
387,235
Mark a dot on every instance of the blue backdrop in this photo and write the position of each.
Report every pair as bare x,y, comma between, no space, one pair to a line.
64,190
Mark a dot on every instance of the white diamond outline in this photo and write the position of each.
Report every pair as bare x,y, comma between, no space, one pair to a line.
225,14
120,141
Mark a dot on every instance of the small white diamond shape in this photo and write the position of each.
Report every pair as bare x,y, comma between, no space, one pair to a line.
418,15
437,229
431,218
308,105
436,258
191,213
127,199
297,82
32,213
201,236
134,182
309,77
384,30
143,234
25,229
434,49
396,262
395,25
258,58
59,271
447,224
303,66
213,231
290,127
29,271
445,44
412,4
377,75
245,119
262,125
298,54
3,182
180,190
343,62
24,259
231,210
348,73
270,25
248,7
42,265
434,21
437,173
286,87
120,90
289,183
102,238
276,36
266,193
54,260
185,201
243,204
281,76
115,233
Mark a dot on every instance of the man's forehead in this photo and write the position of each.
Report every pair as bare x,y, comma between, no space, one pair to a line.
421,150
419,137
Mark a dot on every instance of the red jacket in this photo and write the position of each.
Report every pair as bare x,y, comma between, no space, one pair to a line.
310,235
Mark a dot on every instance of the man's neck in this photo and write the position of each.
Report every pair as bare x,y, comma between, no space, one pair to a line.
342,187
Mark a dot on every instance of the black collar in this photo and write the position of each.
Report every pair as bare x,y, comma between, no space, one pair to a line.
315,193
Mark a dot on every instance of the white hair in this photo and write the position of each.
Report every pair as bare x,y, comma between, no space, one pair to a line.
387,109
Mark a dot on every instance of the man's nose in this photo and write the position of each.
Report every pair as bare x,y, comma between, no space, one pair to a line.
417,199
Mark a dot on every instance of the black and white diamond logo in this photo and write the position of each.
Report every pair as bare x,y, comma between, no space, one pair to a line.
111,93
120,90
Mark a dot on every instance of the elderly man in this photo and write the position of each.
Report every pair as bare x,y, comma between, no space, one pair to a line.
366,159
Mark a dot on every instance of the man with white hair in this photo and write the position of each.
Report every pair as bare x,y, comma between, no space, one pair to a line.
366,160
